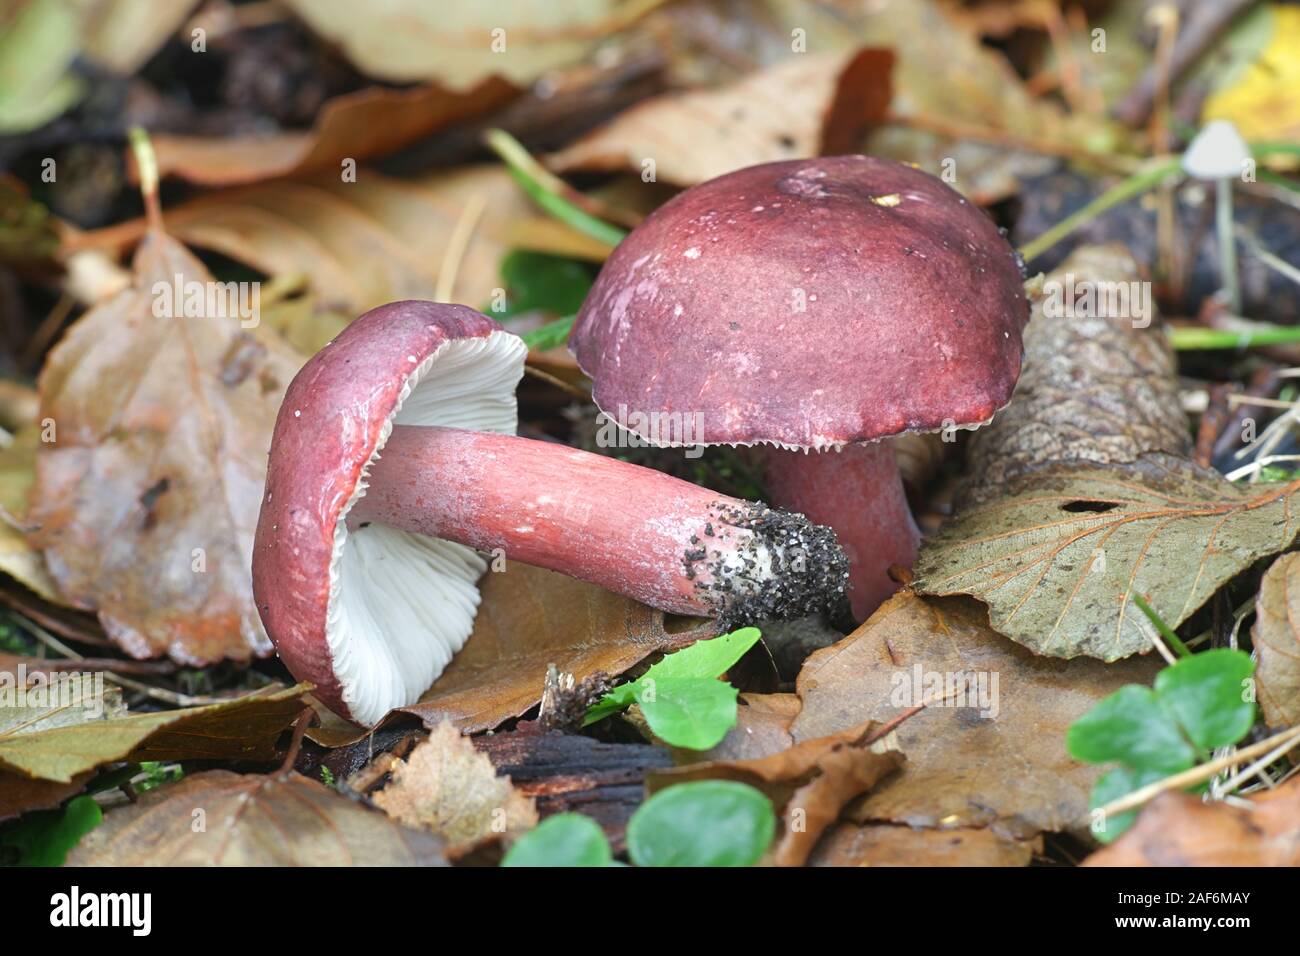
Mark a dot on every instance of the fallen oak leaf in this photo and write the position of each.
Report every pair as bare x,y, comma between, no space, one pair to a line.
1180,829
147,496
281,819
245,728
1277,643
805,106
810,783
1059,558
991,755
448,787
359,126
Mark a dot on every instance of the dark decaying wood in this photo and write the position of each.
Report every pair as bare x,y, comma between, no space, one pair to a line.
570,773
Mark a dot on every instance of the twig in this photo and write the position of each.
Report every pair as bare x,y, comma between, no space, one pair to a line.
1235,781
47,330
1071,74
1195,775
157,693
558,382
889,726
1258,465
1238,399
1166,18
1202,30
456,246
295,745
1279,265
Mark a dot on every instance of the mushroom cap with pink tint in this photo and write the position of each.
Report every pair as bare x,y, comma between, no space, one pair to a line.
809,304
372,615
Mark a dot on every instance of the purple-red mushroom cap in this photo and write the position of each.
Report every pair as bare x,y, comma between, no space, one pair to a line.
809,304
817,306
394,468
371,615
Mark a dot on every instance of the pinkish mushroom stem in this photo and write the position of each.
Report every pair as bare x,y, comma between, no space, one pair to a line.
858,492
641,533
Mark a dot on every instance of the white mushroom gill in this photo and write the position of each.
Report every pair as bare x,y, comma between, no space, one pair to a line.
402,604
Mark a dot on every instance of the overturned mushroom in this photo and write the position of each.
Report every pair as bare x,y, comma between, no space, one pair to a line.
394,459
817,306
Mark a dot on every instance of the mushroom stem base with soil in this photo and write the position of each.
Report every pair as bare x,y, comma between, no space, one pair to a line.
641,533
859,493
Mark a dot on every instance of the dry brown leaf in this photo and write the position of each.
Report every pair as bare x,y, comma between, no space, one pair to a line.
810,783
18,558
146,501
219,818
242,728
958,99
947,83
1059,558
848,844
359,126
1277,643
460,43
1009,770
49,699
530,618
1179,829
805,106
20,794
353,246
1094,389
63,621
69,702
447,787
